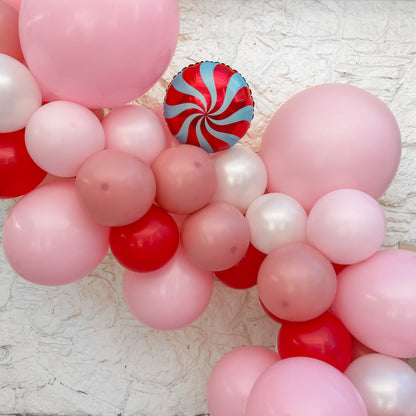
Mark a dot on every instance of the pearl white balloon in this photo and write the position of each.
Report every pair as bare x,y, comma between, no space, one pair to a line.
20,95
275,220
242,176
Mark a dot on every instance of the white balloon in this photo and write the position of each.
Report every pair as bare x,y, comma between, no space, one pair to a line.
20,95
275,220
242,176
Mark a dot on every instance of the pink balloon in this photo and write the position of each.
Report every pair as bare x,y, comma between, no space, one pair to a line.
115,188
375,301
9,31
296,282
216,237
347,225
171,140
49,240
14,3
233,377
134,130
330,137
304,386
171,297
98,54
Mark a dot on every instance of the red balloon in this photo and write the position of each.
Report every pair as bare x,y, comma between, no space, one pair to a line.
324,338
147,244
339,267
19,174
244,274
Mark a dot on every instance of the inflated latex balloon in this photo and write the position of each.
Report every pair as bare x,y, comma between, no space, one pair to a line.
296,282
20,95
216,237
359,349
375,301
304,386
275,220
49,240
9,31
171,140
62,42
134,130
330,137
14,3
61,136
115,188
386,384
233,377
171,297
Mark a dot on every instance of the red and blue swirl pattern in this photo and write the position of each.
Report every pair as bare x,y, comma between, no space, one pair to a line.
209,105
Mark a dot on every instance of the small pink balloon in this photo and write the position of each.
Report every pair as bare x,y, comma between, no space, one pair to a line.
49,240
233,377
171,297
115,188
296,282
171,140
9,31
185,177
60,136
304,386
134,130
216,237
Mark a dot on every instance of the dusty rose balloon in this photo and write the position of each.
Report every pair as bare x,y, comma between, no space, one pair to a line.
9,31
134,130
14,3
115,188
216,237
296,282
233,377
375,301
359,349
186,179
171,140
171,297
48,239
330,137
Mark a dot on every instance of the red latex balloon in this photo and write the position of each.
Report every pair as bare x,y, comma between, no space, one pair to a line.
324,338
18,172
244,274
148,243
339,267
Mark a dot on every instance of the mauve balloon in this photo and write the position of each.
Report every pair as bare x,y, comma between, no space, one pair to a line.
9,31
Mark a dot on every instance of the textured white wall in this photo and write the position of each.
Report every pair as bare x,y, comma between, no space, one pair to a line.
76,350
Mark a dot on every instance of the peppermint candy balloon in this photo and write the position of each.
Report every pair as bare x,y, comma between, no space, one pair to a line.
209,105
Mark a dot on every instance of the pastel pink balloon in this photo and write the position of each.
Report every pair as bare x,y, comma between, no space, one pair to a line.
63,44
296,282
216,237
171,140
60,136
9,31
303,386
48,239
375,301
115,188
134,130
233,377
14,3
330,137
171,297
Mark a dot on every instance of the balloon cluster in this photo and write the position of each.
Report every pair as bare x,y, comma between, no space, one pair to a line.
173,214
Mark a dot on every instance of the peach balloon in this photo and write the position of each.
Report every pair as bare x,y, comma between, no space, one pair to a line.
9,31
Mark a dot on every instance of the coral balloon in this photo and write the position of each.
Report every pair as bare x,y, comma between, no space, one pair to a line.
63,46
9,31
49,240
330,137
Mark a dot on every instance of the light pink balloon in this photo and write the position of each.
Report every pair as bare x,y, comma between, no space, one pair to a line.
303,386
330,137
171,140
49,240
171,297
9,31
115,188
375,300
296,282
98,54
233,377
216,237
134,130
60,136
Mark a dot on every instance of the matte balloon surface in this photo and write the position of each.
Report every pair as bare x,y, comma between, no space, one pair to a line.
9,31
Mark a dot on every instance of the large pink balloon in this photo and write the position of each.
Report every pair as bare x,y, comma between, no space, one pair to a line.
329,137
98,53
376,302
303,386
9,31
48,239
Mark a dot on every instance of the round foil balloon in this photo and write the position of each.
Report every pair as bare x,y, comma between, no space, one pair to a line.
209,105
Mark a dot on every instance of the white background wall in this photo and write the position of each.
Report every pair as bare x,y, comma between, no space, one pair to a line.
76,350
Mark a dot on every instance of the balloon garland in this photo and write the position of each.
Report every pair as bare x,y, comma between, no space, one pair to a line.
173,215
